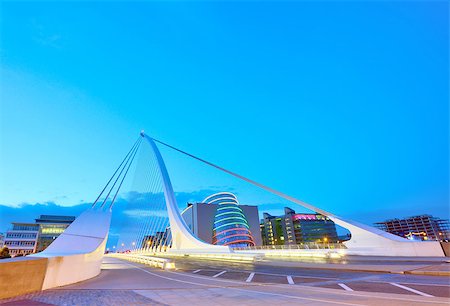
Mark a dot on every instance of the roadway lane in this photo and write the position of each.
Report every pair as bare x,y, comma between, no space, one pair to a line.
264,272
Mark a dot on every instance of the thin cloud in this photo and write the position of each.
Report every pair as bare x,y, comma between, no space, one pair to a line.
45,37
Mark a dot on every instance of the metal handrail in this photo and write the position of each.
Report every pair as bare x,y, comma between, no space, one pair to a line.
163,263
302,246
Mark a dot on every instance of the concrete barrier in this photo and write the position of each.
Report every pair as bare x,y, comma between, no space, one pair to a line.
73,268
296,253
76,255
21,275
404,248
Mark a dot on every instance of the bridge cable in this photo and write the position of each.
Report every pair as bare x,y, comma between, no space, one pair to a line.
157,207
264,187
155,203
126,156
123,178
147,178
120,173
150,181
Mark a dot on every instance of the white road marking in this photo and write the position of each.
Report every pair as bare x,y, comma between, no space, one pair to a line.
412,290
407,297
250,277
196,271
238,289
344,286
290,280
219,274
274,285
305,276
406,283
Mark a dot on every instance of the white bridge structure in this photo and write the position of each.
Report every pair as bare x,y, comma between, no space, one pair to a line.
365,240
77,254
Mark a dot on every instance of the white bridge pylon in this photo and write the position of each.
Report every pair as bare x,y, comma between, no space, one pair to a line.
182,237
365,240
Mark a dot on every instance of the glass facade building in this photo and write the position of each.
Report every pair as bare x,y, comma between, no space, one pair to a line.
230,224
50,227
293,228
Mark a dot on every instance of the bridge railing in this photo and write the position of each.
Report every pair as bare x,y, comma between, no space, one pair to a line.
163,263
302,246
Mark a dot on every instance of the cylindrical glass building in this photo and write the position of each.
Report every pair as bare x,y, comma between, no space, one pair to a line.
230,224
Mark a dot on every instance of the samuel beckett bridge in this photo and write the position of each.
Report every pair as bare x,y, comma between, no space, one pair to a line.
168,237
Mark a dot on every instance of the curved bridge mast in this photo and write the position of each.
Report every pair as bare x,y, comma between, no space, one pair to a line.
182,237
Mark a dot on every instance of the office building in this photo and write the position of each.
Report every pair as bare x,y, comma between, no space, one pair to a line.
27,238
220,219
292,228
422,227
22,238
160,241
50,227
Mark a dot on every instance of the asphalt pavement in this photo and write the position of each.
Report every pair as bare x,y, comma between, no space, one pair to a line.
340,279
212,283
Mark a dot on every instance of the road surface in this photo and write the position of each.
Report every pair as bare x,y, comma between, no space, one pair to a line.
202,283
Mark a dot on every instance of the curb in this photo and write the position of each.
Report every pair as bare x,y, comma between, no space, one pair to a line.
430,273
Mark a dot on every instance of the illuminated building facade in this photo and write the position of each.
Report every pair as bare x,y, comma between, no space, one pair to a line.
230,224
273,230
423,227
50,227
209,221
293,228
159,241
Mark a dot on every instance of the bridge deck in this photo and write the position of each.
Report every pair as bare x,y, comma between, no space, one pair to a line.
122,282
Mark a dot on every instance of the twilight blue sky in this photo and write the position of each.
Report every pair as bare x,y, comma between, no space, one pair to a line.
341,104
